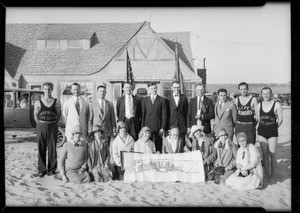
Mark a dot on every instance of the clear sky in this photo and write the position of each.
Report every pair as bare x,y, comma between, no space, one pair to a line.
251,44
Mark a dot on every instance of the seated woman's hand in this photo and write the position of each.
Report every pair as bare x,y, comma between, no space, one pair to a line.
64,178
237,172
244,172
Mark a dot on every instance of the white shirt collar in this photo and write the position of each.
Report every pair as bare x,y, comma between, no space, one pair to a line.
75,98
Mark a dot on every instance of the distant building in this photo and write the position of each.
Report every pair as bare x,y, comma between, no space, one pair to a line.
93,53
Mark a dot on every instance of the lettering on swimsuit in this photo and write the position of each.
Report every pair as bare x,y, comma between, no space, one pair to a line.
245,110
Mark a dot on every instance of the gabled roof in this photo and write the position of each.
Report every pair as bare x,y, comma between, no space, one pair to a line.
183,44
23,57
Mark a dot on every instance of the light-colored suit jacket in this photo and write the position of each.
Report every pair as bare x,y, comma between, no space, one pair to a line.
106,120
72,118
226,117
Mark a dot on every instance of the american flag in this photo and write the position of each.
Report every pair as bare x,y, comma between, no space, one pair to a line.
129,74
178,75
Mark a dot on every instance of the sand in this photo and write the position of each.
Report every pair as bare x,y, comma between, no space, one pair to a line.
23,188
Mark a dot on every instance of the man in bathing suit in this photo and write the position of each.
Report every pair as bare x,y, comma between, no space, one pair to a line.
245,121
47,114
269,115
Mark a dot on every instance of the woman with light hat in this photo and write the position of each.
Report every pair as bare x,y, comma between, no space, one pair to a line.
122,142
249,173
205,146
99,155
224,165
73,159
144,144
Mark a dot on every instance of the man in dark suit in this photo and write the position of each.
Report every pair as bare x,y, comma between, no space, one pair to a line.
102,113
129,110
178,107
225,114
200,111
154,115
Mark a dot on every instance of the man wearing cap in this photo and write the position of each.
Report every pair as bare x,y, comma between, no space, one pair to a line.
129,110
122,142
205,146
226,154
246,105
178,107
102,113
76,112
200,110
73,159
99,155
154,115
225,114
47,115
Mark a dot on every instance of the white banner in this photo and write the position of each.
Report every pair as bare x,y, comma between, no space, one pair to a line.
184,167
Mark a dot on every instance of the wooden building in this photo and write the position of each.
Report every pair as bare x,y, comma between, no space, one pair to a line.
94,53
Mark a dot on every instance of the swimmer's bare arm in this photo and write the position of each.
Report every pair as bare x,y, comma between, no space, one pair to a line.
37,107
278,112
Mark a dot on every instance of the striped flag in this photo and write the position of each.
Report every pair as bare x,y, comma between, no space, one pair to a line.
129,74
178,75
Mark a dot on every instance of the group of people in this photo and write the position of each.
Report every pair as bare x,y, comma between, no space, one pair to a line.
158,125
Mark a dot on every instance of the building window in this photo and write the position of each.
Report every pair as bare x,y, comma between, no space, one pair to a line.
167,89
86,90
35,86
189,89
74,44
8,99
52,44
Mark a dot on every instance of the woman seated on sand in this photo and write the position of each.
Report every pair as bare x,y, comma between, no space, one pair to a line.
144,144
73,159
173,142
249,173
122,142
99,155
226,155
206,147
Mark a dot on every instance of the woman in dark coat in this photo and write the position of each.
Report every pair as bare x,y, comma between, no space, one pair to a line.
205,146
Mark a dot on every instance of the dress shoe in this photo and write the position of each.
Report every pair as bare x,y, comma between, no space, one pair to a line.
51,173
41,174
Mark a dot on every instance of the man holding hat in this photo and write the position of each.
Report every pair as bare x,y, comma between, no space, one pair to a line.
73,159
205,145
99,155
226,154
122,142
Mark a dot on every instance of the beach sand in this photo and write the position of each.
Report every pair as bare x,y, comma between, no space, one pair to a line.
23,188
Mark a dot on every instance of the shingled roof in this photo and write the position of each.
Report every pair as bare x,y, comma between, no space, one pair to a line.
183,45
23,57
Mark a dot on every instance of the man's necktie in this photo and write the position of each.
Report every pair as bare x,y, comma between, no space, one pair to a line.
77,106
220,106
101,108
199,106
152,99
